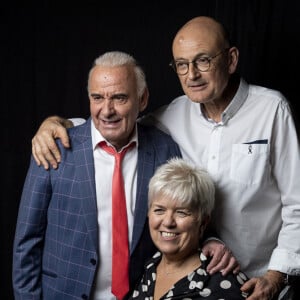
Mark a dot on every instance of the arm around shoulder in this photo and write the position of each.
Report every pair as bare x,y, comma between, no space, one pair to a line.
44,148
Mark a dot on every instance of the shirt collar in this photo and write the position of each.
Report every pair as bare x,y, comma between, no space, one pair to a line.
237,101
235,104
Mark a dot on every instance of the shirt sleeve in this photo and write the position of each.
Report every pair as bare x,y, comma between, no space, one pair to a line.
77,121
286,167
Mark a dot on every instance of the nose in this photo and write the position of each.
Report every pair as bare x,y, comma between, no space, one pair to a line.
193,71
107,107
169,220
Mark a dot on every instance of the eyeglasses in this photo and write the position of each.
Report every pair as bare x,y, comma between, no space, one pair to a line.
201,63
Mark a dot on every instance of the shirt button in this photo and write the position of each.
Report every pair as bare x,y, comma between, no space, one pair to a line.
84,296
93,261
213,157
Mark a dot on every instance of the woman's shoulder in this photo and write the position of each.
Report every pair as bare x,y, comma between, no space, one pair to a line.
217,284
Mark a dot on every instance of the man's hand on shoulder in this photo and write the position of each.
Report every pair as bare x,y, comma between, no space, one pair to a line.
222,258
44,148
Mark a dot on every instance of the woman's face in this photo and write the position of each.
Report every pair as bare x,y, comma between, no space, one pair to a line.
174,228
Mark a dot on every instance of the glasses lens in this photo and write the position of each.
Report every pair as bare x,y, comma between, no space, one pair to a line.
202,63
181,67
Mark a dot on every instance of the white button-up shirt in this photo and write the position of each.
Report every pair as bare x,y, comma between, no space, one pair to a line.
104,165
254,158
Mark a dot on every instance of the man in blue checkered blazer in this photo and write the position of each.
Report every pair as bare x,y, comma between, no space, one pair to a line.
57,246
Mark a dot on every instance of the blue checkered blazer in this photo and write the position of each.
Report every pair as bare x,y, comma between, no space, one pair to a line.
56,240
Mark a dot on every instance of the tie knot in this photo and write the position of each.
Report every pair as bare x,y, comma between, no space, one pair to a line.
112,151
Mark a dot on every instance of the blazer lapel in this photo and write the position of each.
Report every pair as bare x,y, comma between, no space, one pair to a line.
145,169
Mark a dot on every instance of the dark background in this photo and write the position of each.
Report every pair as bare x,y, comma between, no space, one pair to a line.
47,49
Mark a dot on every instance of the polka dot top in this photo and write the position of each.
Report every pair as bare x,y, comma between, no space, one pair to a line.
196,285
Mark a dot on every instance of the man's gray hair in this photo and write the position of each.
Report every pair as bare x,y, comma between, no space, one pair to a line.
118,58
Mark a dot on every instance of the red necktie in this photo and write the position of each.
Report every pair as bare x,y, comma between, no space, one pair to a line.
120,245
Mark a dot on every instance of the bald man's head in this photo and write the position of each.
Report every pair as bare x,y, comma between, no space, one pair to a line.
204,61
203,31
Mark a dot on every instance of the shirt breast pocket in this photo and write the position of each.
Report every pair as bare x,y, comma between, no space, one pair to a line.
249,163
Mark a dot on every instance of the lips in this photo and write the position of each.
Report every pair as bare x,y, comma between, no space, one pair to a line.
110,122
197,86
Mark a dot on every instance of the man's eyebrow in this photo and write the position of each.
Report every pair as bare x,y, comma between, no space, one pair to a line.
119,95
196,56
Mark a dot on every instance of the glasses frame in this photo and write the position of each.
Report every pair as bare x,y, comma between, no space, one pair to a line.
172,64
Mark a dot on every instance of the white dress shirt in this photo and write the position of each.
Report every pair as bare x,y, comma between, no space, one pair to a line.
254,158
104,165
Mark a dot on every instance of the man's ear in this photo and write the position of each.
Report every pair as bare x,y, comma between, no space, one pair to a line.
144,100
233,59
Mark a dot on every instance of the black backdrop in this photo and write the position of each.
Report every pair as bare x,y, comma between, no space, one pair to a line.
47,48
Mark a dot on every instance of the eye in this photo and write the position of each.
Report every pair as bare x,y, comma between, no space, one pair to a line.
182,213
181,64
120,98
158,211
96,97
202,61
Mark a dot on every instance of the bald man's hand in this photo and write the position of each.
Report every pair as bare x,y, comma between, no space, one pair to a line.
265,287
222,258
44,148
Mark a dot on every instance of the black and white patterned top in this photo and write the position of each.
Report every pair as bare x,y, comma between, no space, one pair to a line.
196,285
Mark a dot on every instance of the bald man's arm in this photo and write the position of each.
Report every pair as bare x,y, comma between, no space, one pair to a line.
44,148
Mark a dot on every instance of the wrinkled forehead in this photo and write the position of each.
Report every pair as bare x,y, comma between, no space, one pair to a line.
104,77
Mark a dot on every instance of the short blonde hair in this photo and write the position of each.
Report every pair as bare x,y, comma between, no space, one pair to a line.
184,183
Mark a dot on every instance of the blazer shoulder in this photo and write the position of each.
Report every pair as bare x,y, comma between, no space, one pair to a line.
150,136
155,134
80,133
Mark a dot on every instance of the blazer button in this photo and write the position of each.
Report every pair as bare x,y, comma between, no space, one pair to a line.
93,261
84,296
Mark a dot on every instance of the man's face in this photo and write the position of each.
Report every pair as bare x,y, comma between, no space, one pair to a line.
114,103
202,87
